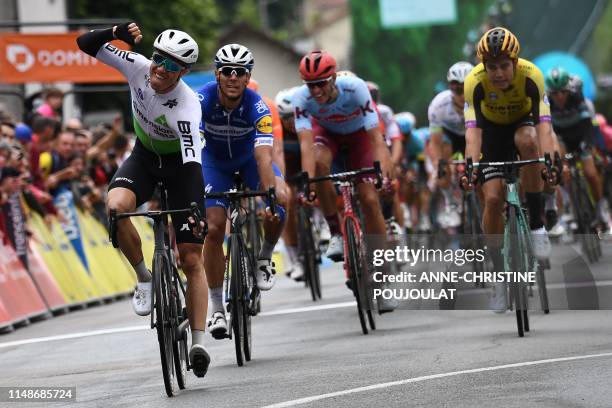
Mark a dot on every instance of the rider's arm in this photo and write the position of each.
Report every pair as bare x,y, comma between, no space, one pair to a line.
372,127
397,151
473,143
379,148
279,155
435,146
97,44
263,156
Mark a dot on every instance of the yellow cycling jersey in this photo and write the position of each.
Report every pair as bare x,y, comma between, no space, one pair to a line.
526,95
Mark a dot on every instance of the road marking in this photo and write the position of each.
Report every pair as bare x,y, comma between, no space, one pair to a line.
379,386
73,335
308,309
137,328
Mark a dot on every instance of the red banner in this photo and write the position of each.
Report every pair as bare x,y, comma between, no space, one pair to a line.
51,58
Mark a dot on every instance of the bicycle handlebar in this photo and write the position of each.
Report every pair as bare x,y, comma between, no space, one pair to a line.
552,171
155,214
235,195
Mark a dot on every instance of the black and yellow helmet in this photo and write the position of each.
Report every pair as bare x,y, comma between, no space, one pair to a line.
498,41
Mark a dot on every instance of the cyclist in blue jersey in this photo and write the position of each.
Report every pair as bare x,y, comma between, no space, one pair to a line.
237,129
331,113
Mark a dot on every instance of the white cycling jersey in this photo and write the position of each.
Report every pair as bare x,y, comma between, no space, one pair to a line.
443,114
164,123
392,130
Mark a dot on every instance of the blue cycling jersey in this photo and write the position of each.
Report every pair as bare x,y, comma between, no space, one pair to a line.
233,135
352,110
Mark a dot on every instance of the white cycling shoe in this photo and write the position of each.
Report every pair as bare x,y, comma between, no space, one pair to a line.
217,325
298,272
335,250
266,274
541,243
200,360
499,302
142,299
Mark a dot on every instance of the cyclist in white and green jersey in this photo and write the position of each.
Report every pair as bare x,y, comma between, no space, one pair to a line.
167,116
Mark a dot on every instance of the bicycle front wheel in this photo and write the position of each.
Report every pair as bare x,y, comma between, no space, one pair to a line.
514,260
179,345
237,309
355,265
163,325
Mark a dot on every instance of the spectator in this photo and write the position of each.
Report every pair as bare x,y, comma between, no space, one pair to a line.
54,166
7,129
44,131
51,107
73,125
82,142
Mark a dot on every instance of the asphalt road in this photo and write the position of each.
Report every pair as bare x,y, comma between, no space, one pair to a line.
319,358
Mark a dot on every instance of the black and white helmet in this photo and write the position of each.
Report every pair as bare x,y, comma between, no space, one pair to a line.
235,55
459,71
178,45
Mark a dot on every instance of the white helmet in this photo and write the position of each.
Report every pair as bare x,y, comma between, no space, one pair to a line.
236,55
283,101
177,44
459,71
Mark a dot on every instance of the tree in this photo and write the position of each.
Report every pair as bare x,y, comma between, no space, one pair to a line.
196,17
408,62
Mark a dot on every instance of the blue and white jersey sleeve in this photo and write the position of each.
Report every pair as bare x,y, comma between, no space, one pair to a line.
300,109
262,124
364,100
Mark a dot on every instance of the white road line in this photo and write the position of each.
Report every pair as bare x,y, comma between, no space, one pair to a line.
308,309
137,328
379,386
73,336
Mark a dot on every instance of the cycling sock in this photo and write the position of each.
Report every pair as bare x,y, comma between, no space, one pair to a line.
216,299
197,337
292,252
266,250
142,273
534,205
550,201
334,225
387,209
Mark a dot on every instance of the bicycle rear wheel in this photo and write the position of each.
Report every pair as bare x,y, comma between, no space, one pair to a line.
236,298
541,281
165,336
355,265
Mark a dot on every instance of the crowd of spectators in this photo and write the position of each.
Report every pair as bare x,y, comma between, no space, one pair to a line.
47,158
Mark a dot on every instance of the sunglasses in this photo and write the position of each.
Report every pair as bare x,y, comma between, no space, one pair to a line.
318,84
456,88
229,71
169,64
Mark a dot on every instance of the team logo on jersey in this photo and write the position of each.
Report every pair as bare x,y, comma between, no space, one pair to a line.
492,96
261,106
299,113
140,94
161,120
170,103
264,124
366,108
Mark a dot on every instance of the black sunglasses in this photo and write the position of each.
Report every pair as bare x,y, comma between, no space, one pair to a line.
229,71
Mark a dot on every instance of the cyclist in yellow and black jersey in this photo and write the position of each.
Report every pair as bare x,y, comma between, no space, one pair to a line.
507,113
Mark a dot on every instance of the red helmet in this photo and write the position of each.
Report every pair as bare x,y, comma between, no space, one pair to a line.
317,65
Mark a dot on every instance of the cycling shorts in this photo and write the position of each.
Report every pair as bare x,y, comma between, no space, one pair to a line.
577,138
219,176
498,145
143,169
458,141
358,145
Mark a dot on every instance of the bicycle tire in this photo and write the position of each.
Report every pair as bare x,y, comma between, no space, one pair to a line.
582,218
543,292
308,255
354,266
179,345
162,322
515,265
248,285
236,305
475,218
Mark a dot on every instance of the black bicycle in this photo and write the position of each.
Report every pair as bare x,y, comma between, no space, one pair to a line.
169,315
241,292
583,209
309,253
356,267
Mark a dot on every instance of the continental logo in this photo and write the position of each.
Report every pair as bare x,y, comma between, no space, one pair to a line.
264,124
